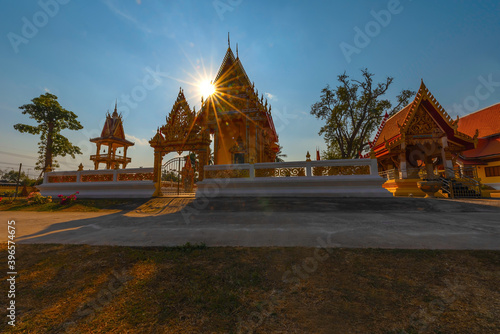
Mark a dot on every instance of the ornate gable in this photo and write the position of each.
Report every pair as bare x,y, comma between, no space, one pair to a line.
180,121
425,97
422,124
423,117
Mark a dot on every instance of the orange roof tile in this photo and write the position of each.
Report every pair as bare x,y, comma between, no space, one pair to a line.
485,147
486,120
391,129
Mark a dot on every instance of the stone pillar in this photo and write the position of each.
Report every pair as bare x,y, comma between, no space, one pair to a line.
216,145
157,173
247,141
429,167
403,172
446,158
124,157
203,161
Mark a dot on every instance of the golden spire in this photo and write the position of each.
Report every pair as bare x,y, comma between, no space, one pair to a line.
115,113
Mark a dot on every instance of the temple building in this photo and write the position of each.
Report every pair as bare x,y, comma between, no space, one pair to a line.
112,139
241,123
421,141
486,156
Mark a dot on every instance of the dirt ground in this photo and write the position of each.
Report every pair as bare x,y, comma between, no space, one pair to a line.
199,289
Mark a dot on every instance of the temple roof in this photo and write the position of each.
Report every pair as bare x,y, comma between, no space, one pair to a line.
486,120
486,148
397,126
113,130
231,64
391,129
230,76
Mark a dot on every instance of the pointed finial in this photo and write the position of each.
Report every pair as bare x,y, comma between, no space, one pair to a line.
237,56
228,40
115,112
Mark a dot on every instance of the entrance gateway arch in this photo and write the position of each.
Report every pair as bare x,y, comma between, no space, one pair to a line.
181,133
240,122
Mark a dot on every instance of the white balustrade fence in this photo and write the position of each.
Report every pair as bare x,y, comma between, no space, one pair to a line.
349,178
104,183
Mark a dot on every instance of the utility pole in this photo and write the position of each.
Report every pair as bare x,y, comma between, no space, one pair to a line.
18,177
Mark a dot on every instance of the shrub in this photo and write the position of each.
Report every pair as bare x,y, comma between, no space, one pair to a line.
67,199
9,195
36,198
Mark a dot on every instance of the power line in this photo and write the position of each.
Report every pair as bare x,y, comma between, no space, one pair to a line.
14,164
17,155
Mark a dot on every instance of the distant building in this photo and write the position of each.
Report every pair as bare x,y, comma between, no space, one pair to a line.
486,156
112,139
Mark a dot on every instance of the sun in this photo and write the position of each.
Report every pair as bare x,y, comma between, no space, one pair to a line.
206,88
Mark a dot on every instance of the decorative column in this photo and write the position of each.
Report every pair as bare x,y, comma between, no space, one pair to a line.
247,142
108,162
157,173
203,161
446,158
125,157
403,172
216,144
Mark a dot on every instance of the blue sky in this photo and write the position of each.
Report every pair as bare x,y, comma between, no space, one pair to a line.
90,53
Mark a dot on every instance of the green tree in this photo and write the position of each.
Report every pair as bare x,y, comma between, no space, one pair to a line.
280,155
352,112
52,119
11,176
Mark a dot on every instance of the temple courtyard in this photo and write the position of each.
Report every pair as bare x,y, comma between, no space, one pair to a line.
410,223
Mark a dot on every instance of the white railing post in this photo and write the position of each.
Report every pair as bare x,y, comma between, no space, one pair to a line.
46,178
373,167
252,171
115,175
308,168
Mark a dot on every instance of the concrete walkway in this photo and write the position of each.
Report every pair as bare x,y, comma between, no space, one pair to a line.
312,222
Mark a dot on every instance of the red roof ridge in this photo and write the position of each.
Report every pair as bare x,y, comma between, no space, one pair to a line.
475,112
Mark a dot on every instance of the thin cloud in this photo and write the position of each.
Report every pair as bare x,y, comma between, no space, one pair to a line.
137,141
126,16
270,96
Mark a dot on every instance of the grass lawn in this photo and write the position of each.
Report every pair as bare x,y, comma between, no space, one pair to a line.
194,289
80,205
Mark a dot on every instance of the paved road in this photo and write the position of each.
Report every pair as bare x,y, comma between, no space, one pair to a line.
335,222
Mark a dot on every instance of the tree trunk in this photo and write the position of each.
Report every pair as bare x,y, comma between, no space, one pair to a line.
48,149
